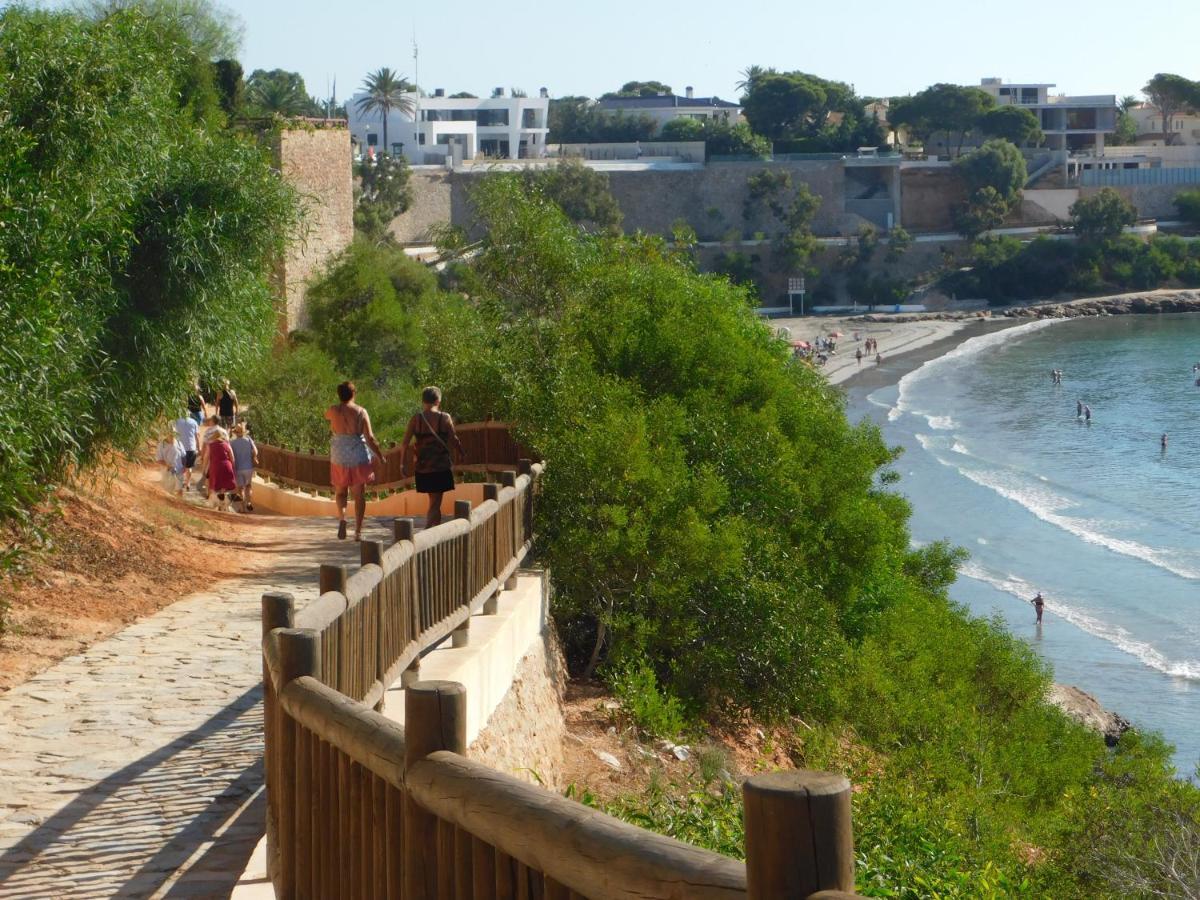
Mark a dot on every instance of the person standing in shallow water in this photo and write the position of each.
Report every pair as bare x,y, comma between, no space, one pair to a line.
351,464
1038,605
433,431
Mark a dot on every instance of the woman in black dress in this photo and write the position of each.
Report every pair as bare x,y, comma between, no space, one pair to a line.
433,431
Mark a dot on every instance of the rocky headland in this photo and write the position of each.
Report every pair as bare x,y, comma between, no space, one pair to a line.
1087,711
1165,301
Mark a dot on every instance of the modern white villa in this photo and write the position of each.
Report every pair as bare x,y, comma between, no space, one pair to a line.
445,128
1075,124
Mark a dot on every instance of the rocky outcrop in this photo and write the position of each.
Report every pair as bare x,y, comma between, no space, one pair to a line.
1087,711
1116,305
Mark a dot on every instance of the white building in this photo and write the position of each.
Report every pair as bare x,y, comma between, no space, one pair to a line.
1185,127
662,108
1075,124
442,127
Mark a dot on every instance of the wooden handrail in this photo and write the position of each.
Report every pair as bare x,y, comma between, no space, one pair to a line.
580,848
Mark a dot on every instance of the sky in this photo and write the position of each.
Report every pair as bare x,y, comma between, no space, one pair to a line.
882,47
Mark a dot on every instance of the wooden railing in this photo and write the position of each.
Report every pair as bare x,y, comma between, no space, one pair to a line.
487,447
359,807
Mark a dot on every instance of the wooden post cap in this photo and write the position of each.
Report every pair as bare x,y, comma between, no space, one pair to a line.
462,509
508,478
524,466
404,528
435,718
278,611
798,834
491,491
370,552
333,578
299,654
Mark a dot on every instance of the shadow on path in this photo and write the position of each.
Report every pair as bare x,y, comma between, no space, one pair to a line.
151,828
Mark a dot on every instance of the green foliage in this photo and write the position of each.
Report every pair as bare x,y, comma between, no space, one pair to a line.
655,713
682,130
1127,130
213,30
364,313
999,165
1172,94
580,192
948,108
983,211
1011,123
798,108
384,91
1102,216
723,139
577,120
740,268
287,392
136,238
1006,270
384,193
279,93
692,811
1188,204
640,89
899,243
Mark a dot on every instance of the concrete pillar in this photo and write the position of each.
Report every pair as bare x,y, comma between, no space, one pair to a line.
897,203
1099,143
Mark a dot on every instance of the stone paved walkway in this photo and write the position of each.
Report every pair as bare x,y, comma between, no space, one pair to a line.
134,769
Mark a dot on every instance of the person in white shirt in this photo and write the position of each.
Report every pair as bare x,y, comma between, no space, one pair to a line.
186,430
170,454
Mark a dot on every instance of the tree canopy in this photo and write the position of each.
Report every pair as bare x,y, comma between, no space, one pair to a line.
384,91
807,113
577,120
1102,216
949,108
280,93
1172,94
212,30
1012,123
639,89
994,175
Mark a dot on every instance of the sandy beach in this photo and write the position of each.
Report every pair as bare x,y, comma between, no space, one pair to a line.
904,344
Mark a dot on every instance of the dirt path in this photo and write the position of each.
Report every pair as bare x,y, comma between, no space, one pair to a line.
133,768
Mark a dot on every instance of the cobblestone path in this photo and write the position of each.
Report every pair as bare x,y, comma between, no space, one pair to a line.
134,769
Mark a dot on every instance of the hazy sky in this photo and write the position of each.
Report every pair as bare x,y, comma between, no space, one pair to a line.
883,47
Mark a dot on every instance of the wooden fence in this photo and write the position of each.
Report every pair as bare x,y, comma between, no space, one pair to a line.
487,447
359,807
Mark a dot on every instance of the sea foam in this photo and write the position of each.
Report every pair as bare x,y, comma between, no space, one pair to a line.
1066,609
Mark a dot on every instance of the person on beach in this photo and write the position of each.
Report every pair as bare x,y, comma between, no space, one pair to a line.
1038,605
858,355
351,464
433,431
186,430
227,405
878,358
221,478
245,458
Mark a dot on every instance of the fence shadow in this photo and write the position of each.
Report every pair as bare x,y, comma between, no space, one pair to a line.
183,818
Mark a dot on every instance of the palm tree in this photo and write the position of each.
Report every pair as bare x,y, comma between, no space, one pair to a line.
277,93
751,75
1127,103
385,91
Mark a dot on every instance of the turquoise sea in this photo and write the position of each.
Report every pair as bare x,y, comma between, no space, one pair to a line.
1098,517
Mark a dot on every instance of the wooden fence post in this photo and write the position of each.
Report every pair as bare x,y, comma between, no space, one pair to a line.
508,478
462,635
491,491
299,655
371,553
798,835
403,529
524,466
435,718
278,611
333,578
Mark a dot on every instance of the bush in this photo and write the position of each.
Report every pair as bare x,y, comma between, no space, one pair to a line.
1188,204
657,714
136,238
1102,216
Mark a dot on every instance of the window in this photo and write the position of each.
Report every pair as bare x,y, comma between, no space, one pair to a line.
421,138
372,140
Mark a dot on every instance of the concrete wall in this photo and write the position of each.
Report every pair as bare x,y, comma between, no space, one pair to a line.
316,161
1046,207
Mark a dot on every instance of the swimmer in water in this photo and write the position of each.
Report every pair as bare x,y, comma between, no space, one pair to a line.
1078,409
1163,442
1087,413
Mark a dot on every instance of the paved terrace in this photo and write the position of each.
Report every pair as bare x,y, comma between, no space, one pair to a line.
134,769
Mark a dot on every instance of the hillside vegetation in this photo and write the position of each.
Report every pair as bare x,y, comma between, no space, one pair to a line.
724,542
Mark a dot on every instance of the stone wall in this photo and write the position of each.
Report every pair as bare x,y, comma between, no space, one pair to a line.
928,198
524,736
431,206
316,161
1152,201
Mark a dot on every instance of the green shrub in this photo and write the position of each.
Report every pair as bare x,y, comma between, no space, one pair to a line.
655,713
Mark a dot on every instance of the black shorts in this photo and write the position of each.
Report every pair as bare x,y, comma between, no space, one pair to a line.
189,459
435,482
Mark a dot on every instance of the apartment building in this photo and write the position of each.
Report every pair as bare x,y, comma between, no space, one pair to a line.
1185,128
662,108
442,128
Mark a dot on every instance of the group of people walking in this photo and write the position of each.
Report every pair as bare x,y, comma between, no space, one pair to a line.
216,445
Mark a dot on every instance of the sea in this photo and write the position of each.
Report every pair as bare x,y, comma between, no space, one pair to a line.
1096,515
